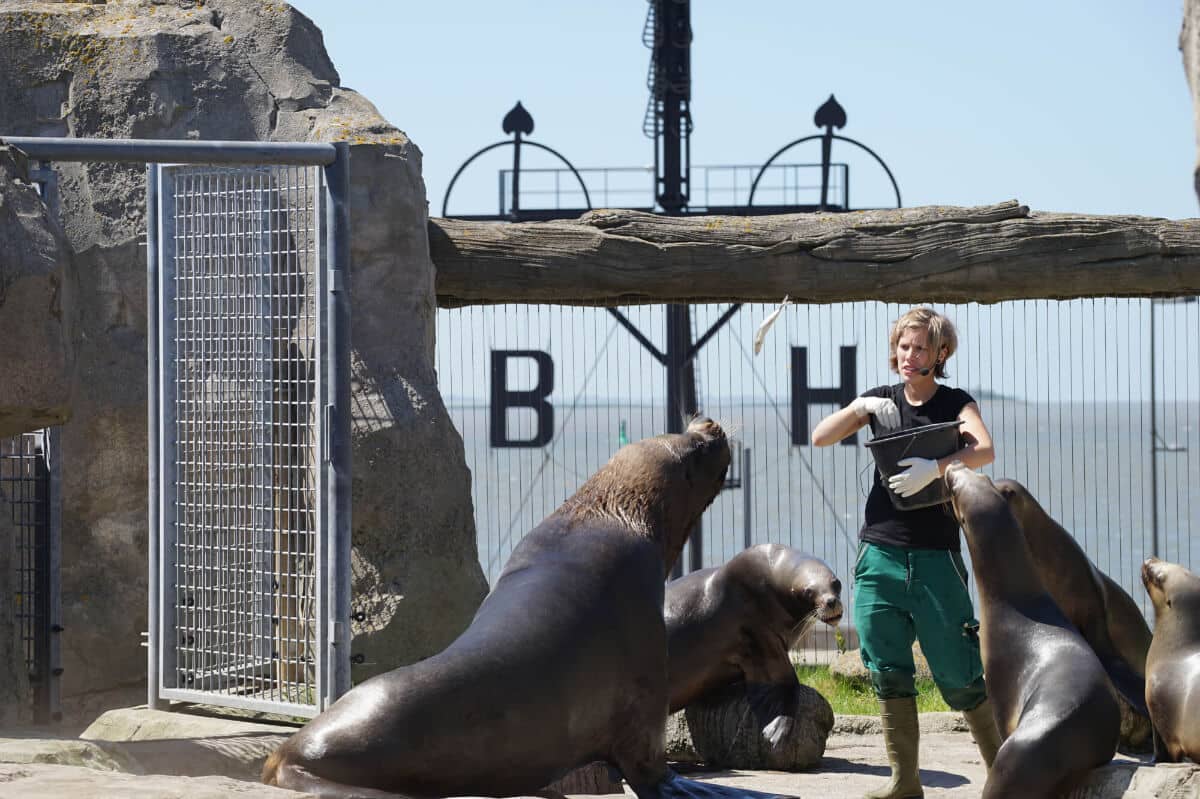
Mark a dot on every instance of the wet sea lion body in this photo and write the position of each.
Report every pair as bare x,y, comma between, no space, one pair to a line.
1173,665
737,623
1050,695
564,663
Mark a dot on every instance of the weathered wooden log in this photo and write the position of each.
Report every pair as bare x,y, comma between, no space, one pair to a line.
927,254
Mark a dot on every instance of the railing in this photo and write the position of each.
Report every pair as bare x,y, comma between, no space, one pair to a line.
715,189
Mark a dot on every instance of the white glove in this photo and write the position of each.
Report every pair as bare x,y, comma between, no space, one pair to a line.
921,472
884,410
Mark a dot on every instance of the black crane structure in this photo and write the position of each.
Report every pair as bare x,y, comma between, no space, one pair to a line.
668,121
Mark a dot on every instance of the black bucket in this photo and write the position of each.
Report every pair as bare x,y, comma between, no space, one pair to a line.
929,441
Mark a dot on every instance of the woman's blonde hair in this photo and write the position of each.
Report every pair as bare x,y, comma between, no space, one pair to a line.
939,331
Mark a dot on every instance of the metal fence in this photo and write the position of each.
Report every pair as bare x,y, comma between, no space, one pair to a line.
1092,403
248,555
29,511
722,186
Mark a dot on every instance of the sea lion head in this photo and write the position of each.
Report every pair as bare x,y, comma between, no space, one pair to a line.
973,495
1169,586
658,487
1018,497
806,586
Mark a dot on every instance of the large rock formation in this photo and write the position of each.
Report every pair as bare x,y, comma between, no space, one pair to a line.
35,305
235,70
36,325
1189,43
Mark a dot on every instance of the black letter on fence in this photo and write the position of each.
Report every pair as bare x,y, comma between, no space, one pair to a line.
503,399
803,396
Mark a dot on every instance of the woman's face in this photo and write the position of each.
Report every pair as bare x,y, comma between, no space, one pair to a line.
913,354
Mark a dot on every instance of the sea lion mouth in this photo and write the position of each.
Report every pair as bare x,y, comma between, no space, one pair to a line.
1152,574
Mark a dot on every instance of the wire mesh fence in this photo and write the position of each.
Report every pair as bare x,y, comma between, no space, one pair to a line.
242,406
25,536
1092,404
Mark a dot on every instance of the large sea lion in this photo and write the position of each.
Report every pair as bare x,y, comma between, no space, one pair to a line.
738,621
565,662
1105,615
1050,695
1173,665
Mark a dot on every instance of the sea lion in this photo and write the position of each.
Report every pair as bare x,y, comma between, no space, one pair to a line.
1105,615
565,662
1050,695
1173,665
737,623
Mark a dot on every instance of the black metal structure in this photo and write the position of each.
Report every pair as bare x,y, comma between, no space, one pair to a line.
519,122
669,24
668,121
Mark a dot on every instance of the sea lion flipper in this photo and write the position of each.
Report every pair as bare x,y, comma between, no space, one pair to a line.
677,787
774,706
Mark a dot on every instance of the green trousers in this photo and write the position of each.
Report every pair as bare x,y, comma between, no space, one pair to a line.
906,594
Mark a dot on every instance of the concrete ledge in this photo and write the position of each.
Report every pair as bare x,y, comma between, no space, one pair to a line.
136,752
162,742
1128,780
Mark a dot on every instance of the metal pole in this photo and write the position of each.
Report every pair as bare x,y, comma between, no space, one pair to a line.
41,580
674,421
152,322
338,486
1153,440
515,209
53,444
747,537
174,151
826,155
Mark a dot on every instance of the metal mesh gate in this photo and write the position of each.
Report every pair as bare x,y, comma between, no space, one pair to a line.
247,558
28,532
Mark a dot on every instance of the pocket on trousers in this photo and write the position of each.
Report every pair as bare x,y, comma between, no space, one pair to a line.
960,569
862,550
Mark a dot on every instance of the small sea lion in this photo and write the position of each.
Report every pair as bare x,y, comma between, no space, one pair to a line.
1173,665
738,621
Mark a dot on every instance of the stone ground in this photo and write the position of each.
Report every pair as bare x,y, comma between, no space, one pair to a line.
132,753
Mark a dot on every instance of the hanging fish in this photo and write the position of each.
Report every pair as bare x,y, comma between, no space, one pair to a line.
761,333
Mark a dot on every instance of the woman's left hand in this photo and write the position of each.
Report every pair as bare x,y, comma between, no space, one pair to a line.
921,472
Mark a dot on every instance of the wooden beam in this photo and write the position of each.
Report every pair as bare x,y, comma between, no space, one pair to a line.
933,253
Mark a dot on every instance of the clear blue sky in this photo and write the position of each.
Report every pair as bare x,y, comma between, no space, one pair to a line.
1065,106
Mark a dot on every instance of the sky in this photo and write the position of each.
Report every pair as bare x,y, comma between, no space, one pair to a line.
1065,106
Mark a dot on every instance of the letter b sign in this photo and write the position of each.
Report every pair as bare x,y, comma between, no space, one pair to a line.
535,399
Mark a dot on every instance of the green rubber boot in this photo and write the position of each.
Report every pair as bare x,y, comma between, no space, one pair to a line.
983,727
901,736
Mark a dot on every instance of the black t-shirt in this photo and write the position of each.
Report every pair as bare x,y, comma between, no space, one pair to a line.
933,527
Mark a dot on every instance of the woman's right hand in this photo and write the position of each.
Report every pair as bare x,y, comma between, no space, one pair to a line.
882,408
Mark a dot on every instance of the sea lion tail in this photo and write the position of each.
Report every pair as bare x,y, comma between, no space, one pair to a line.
272,766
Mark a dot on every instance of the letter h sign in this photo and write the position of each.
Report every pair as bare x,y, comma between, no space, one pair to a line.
803,396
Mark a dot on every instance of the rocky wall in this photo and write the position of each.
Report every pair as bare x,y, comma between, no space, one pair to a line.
234,70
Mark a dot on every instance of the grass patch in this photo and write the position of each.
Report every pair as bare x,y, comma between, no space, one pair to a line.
848,697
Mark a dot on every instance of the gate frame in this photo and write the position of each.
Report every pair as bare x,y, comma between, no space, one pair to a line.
333,620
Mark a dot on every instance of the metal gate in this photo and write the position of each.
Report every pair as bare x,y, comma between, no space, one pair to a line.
29,514
249,477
